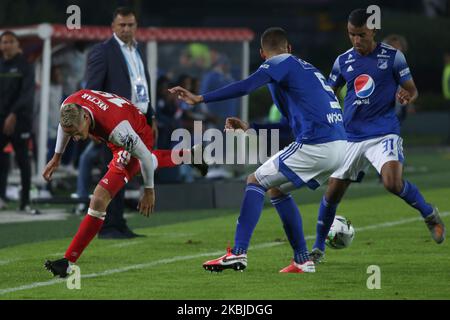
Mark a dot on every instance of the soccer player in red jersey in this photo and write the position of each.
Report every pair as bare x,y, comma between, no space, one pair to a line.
116,121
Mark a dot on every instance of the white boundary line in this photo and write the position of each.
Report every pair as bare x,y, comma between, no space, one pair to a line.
182,258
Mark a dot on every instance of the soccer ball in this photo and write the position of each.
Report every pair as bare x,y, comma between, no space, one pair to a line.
341,233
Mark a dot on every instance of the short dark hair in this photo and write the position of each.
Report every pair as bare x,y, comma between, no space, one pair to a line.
274,38
9,33
123,11
358,17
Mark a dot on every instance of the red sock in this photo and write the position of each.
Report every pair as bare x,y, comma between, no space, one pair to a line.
165,157
89,227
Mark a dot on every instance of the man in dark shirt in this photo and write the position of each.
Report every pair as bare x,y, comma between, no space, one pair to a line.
16,104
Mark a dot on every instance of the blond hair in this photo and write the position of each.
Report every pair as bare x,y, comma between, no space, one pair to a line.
71,115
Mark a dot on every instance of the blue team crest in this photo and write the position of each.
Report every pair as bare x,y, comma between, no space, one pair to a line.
364,86
382,64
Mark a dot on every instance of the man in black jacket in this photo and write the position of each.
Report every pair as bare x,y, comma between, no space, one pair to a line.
16,105
119,66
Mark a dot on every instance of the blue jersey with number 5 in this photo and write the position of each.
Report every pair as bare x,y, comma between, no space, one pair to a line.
301,94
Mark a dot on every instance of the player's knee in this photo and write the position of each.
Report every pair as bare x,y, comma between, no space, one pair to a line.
251,179
393,185
275,193
100,199
336,190
98,203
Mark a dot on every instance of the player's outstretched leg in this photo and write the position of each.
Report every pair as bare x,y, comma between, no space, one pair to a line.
89,227
293,227
165,158
391,173
251,209
327,212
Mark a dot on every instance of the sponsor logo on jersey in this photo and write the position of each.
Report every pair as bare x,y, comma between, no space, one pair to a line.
349,69
265,66
334,117
364,86
105,181
382,64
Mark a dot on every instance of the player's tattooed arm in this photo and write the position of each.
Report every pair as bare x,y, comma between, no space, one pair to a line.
124,136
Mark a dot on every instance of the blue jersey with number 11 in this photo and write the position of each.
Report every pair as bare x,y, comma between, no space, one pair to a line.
372,82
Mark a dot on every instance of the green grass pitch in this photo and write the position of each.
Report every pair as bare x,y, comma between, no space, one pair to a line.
166,264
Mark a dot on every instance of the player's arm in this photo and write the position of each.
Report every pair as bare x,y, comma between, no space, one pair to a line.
335,79
125,136
408,92
233,90
61,142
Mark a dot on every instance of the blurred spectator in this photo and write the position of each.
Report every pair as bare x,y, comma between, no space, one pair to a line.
218,77
55,100
72,60
16,109
194,60
87,160
168,113
446,77
434,8
399,42
118,66
446,86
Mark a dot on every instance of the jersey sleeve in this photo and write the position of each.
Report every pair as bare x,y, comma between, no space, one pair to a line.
124,136
400,68
335,79
276,70
239,88
62,140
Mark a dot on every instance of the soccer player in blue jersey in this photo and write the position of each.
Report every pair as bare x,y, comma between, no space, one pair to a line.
372,72
314,115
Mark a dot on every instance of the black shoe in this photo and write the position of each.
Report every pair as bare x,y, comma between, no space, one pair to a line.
130,234
112,234
202,167
59,267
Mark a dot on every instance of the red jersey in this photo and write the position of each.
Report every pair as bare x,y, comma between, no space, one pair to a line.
109,110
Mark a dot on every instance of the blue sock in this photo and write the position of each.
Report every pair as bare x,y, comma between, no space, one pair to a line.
414,198
292,224
251,209
327,212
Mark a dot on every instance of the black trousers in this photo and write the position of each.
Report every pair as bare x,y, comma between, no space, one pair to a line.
19,140
114,213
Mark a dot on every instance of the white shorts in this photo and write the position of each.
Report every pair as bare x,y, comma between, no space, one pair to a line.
377,151
301,164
